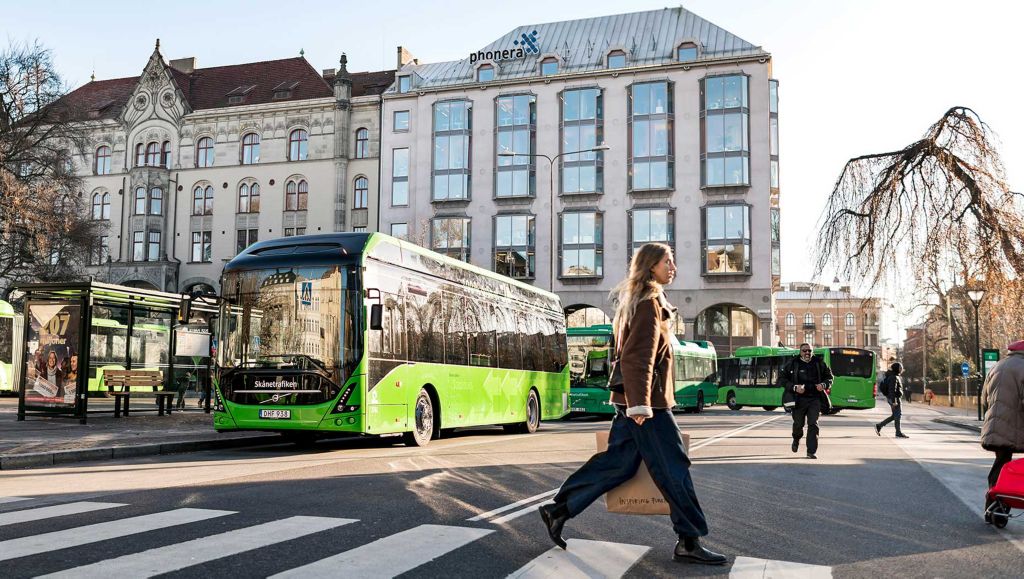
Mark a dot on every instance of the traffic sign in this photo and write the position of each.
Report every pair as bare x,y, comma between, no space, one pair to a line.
965,368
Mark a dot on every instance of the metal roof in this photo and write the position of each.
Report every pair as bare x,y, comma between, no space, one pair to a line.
649,38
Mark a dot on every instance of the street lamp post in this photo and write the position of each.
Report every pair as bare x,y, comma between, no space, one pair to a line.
976,295
551,193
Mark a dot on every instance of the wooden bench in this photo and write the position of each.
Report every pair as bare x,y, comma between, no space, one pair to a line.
120,383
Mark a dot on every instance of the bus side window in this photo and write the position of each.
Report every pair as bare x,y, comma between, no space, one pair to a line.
432,319
455,329
764,371
510,350
480,325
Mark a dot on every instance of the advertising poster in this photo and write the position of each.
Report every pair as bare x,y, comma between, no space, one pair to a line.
51,377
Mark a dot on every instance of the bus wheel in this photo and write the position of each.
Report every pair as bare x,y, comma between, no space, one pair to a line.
769,408
700,403
532,417
731,402
423,427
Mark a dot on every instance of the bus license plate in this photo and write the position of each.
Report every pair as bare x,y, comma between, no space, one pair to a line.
276,414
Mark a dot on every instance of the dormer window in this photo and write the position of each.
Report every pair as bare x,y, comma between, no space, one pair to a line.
404,83
284,90
686,52
616,59
549,66
485,73
237,96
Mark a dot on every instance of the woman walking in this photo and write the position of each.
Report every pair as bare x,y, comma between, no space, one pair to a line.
643,427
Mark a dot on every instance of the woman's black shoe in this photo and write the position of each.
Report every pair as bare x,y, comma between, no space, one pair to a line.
555,517
689,550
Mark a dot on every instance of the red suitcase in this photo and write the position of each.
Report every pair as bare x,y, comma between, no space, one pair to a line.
1008,494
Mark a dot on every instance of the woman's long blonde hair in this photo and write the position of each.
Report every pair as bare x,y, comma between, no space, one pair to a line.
639,284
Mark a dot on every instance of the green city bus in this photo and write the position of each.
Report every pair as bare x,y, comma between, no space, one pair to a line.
750,377
695,366
365,334
9,336
589,362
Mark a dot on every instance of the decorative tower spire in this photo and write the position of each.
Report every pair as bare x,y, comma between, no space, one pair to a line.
302,52
158,44
93,77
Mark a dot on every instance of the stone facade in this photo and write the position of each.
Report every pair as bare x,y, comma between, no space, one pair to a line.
822,316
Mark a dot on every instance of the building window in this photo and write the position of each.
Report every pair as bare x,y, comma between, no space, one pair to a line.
651,226
202,246
154,246
773,115
790,339
450,236
139,246
245,238
202,200
775,236
808,319
292,231
549,66
102,166
250,149
399,177
582,129
514,245
582,245
362,144
140,155
98,255
725,122
296,195
362,193
165,155
400,230
140,201
726,239
152,155
156,201
452,130
359,229
826,319
101,206
298,145
826,339
401,121
204,152
616,59
404,83
517,128
686,52
651,163
851,338
850,321
485,73
809,338
249,198
790,319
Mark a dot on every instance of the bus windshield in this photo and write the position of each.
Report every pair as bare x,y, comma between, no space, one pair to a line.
589,359
298,318
853,364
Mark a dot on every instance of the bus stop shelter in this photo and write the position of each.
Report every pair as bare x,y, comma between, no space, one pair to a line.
73,332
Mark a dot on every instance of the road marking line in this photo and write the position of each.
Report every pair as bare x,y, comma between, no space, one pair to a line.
205,549
57,540
583,559
498,511
751,568
392,555
521,512
40,513
732,433
13,499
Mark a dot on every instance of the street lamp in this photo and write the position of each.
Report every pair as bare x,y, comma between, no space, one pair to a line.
976,295
551,193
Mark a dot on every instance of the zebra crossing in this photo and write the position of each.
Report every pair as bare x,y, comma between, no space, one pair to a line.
388,556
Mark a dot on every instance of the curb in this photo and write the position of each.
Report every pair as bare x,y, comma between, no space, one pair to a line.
958,424
37,459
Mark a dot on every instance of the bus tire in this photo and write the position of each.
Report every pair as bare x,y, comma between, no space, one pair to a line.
700,403
730,401
532,417
769,408
423,421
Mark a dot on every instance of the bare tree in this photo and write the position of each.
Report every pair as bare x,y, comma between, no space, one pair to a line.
45,230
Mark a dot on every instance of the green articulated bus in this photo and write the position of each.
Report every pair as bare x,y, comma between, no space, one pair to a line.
750,377
370,335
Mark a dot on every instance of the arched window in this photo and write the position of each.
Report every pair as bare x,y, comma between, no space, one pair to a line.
296,195
152,155
250,149
686,52
826,319
290,200
254,198
850,321
303,195
362,143
106,206
165,155
362,193
249,198
156,201
808,318
790,319
204,152
97,206
202,200
102,166
140,155
298,142
140,201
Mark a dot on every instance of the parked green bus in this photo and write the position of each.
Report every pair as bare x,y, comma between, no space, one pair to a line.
10,334
589,362
750,377
695,366
363,333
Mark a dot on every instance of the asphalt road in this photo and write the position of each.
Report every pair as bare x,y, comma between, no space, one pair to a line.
868,506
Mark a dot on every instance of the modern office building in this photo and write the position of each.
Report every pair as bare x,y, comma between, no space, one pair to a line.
191,165
555,151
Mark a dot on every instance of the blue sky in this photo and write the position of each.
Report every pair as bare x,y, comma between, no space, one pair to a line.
855,77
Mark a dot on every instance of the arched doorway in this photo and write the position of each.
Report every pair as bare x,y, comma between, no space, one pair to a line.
584,316
727,326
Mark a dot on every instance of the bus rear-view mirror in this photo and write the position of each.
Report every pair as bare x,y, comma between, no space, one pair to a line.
376,317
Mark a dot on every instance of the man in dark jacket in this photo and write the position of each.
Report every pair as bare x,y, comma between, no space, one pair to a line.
892,388
809,378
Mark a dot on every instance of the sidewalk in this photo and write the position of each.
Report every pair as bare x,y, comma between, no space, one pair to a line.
42,441
966,418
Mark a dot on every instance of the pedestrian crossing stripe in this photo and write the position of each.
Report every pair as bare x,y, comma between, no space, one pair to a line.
12,499
751,568
197,551
582,560
41,513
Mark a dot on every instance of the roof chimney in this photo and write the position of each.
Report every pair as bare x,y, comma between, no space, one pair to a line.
329,74
404,57
185,65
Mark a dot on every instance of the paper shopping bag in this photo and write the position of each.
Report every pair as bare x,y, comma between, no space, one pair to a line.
639,495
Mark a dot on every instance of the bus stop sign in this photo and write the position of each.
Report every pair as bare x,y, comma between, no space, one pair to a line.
965,368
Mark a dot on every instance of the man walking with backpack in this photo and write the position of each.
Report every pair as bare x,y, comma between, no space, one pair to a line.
892,388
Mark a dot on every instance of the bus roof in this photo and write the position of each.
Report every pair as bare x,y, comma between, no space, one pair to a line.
758,351
595,330
697,346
